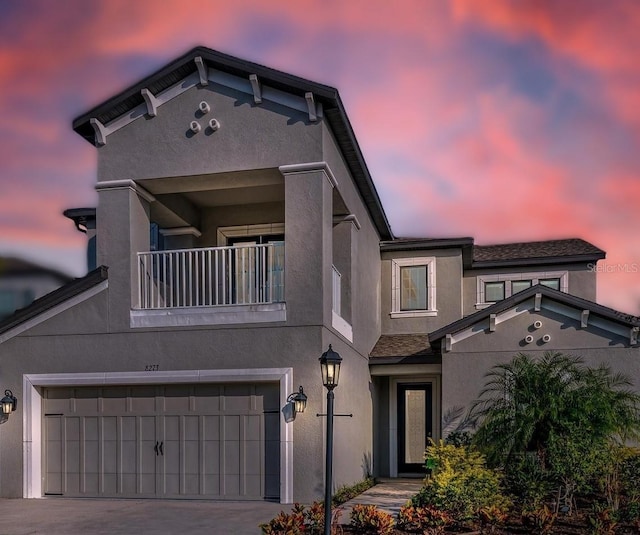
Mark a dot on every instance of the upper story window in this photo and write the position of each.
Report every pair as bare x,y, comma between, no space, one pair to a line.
493,288
413,289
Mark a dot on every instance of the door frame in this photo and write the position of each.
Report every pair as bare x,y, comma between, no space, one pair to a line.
394,430
427,388
32,410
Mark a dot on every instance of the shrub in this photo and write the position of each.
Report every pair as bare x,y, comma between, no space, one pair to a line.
459,483
286,523
540,520
301,520
601,520
347,492
370,519
630,475
490,518
527,482
423,519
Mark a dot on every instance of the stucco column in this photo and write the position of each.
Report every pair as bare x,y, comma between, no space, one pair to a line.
122,232
308,243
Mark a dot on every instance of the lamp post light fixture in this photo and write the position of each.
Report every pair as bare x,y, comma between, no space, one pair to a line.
299,400
330,367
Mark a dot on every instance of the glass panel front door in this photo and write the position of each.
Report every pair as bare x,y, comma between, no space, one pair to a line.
414,425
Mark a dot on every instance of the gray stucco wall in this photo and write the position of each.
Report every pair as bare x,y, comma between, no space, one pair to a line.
464,367
250,137
93,349
448,287
96,335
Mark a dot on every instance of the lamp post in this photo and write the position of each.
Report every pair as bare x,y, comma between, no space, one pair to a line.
330,367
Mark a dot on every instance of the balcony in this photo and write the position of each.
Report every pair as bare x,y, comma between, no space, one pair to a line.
212,277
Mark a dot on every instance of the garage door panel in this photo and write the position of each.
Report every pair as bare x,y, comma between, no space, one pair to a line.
211,427
231,457
231,427
191,427
237,398
143,399
128,424
207,398
110,484
165,441
211,485
192,457
110,456
211,457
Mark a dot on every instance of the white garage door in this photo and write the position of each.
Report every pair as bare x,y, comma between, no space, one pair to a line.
167,441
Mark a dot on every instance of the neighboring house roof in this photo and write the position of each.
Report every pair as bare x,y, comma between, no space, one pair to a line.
54,298
14,267
538,252
178,69
571,300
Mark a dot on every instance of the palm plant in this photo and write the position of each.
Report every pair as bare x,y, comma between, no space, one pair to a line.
558,410
527,403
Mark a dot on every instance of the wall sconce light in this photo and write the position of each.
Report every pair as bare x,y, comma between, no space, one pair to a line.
299,400
9,403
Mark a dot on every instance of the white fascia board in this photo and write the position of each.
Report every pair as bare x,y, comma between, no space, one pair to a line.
54,311
594,321
485,324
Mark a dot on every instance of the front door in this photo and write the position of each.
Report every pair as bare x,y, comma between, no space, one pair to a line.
415,425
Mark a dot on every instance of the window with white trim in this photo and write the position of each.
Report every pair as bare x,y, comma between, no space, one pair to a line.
494,288
413,289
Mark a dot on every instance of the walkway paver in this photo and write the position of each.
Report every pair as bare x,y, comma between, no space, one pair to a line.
389,495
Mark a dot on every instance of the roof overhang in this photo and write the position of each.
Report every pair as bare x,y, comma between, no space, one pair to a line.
203,60
537,298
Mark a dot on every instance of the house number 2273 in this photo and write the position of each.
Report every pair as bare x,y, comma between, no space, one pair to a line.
152,367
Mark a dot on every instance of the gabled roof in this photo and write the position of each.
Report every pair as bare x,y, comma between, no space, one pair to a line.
538,252
54,298
185,65
544,291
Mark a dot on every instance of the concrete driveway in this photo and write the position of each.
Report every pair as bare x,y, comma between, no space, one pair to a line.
67,516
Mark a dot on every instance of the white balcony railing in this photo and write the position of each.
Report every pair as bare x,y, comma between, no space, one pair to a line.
215,276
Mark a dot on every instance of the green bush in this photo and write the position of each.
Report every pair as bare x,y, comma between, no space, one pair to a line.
459,483
527,482
347,492
370,519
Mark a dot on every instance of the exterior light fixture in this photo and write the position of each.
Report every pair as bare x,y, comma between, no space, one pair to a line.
299,400
9,403
330,367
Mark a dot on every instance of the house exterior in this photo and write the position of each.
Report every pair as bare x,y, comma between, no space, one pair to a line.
22,281
238,234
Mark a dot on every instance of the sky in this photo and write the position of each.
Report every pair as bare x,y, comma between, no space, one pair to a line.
504,120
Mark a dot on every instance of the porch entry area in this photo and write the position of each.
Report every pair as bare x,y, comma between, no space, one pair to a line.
407,415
